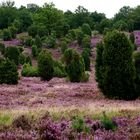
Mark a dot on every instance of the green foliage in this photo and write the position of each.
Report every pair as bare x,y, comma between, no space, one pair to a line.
59,69
2,48
34,51
121,25
119,70
45,65
63,46
38,42
28,60
79,125
85,76
22,59
29,71
28,41
8,72
86,58
79,36
50,41
86,42
13,31
132,38
6,35
13,54
75,67
86,29
136,57
99,66
108,123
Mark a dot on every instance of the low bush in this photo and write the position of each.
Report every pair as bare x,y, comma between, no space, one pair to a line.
8,72
29,71
34,51
86,42
59,69
28,60
45,65
86,58
63,46
22,59
12,53
2,48
75,67
85,76
6,35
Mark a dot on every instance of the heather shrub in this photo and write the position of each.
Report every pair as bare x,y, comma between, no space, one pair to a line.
86,58
13,54
22,59
22,122
29,71
86,29
86,42
119,70
45,65
75,67
59,69
2,48
6,35
99,67
63,46
38,42
8,72
34,51
136,57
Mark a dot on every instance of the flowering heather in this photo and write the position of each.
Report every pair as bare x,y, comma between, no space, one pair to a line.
14,42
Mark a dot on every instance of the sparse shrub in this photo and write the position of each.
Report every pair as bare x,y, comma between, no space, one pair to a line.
136,57
8,72
38,42
6,35
29,71
85,76
99,67
86,29
119,70
2,48
86,58
22,59
75,67
108,123
86,42
72,34
59,69
45,65
63,46
13,54
22,122
79,125
34,51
